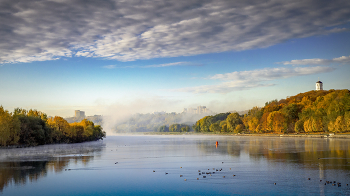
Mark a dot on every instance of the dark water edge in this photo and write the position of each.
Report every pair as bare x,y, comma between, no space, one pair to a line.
124,165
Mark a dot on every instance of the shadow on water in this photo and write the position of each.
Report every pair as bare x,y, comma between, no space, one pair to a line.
21,166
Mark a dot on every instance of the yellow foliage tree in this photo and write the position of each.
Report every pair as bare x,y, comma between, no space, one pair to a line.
317,125
238,129
339,125
253,123
61,128
308,125
263,122
347,121
276,121
9,128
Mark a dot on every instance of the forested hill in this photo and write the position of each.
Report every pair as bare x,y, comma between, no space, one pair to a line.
313,111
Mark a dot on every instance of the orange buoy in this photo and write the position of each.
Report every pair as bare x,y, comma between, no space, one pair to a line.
216,144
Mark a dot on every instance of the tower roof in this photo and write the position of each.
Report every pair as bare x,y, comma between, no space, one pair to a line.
318,82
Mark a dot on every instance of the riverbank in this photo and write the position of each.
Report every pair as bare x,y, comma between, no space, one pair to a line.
323,135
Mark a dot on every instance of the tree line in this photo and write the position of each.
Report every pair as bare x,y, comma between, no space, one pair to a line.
309,112
167,122
175,128
32,127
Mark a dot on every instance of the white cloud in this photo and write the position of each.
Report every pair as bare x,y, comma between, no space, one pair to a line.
153,66
243,80
109,66
342,60
35,30
167,64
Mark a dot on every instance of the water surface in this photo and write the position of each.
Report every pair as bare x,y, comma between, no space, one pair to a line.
169,165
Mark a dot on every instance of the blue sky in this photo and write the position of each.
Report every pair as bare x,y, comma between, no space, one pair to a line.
126,57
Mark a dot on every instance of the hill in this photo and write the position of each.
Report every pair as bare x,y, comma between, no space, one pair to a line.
312,111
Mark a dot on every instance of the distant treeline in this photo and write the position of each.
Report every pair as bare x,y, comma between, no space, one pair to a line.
158,122
313,111
175,128
31,128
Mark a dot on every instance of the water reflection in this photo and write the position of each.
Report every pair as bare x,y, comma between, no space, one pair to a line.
311,153
124,165
21,166
230,147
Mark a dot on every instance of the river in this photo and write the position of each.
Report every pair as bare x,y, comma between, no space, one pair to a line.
180,165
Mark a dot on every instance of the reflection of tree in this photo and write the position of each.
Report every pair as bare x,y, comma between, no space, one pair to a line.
232,148
20,171
331,154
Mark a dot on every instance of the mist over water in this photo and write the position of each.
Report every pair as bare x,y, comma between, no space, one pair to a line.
118,113
169,165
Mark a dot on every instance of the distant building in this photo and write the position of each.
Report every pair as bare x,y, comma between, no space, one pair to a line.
162,112
79,114
198,110
319,85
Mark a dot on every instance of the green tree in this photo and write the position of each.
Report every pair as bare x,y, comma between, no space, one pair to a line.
215,127
174,128
163,128
232,121
32,131
223,125
299,126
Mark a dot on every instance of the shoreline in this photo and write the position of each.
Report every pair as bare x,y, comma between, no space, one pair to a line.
331,135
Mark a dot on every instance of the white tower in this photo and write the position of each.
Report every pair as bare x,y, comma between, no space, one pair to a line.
319,85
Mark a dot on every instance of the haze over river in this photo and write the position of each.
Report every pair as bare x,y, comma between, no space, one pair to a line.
169,165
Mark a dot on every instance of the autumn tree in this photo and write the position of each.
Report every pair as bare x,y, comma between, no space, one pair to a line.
347,120
238,128
9,128
339,125
61,129
291,112
276,122
264,125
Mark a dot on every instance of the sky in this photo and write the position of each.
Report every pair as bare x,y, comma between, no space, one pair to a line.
113,56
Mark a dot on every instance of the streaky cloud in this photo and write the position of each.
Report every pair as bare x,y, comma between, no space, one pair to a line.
110,66
167,64
154,66
36,30
317,61
244,80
